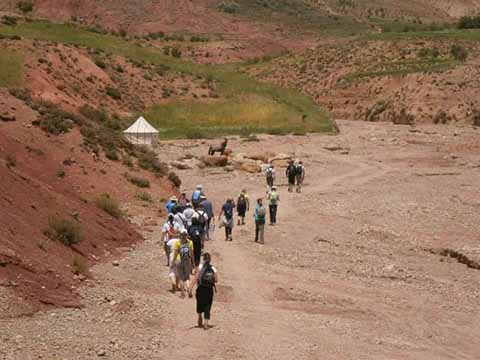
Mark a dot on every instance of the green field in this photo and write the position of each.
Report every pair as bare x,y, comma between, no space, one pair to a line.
245,102
11,68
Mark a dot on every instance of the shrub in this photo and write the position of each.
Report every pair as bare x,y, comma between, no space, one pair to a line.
79,265
459,52
61,172
140,182
176,52
111,154
67,231
147,159
144,196
53,119
100,63
113,93
174,179
119,68
23,94
476,117
25,6
11,161
127,161
110,205
469,22
91,113
9,20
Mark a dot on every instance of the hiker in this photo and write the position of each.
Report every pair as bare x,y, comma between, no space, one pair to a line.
184,261
188,214
196,233
260,214
172,273
196,196
243,206
170,230
300,175
208,207
291,173
270,175
171,204
227,212
183,201
180,219
206,279
273,199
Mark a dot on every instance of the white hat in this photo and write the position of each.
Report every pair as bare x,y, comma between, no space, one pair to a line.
183,232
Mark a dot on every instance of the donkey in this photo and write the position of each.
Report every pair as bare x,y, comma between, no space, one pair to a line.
219,148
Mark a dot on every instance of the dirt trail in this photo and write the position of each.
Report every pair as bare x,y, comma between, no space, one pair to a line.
346,274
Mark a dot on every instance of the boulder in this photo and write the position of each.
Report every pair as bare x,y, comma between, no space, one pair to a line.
7,117
280,160
260,157
214,161
247,165
181,165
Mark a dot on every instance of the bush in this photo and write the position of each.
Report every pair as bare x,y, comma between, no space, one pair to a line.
91,113
25,6
175,179
9,20
140,182
147,159
113,93
79,265
144,196
100,63
176,52
23,94
61,172
110,205
53,119
111,154
476,117
459,52
11,161
469,22
67,231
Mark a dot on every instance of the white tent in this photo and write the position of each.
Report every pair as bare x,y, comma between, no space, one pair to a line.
141,133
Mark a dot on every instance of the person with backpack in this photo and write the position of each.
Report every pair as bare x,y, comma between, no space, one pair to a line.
171,204
196,233
291,172
227,212
300,175
169,231
208,208
197,195
243,205
260,215
185,263
273,199
206,280
270,176
188,214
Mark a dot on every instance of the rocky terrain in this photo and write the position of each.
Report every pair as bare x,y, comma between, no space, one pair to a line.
377,258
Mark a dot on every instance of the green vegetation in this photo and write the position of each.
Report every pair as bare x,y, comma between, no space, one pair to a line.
110,205
469,22
144,196
25,6
67,231
232,87
448,34
138,181
9,20
79,265
11,68
175,179
11,161
400,68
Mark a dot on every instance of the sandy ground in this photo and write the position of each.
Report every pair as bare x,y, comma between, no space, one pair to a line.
353,270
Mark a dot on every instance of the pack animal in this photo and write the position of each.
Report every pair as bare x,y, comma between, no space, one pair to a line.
219,148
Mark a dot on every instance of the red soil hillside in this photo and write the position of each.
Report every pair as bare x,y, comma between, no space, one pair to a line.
45,177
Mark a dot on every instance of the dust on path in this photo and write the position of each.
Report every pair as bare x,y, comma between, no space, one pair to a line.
344,275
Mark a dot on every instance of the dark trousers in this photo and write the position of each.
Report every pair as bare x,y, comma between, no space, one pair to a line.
228,232
204,297
273,214
259,230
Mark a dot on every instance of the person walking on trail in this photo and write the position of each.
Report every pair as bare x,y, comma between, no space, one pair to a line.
188,214
243,205
180,220
171,204
208,207
172,273
197,194
227,212
196,233
273,200
183,201
291,172
260,215
300,175
185,263
169,231
206,280
270,176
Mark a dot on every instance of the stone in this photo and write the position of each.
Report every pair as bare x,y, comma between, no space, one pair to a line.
115,263
181,165
214,161
7,117
101,353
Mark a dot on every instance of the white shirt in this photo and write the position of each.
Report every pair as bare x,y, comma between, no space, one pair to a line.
188,214
166,231
180,220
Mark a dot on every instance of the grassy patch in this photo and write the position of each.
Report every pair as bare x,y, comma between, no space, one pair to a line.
232,86
11,68
79,265
452,34
67,231
401,68
110,205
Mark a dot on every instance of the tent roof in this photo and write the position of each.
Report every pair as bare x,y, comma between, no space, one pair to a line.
141,126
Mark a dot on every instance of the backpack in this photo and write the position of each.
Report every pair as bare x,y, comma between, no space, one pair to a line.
228,210
273,198
207,277
261,212
196,195
242,202
200,219
291,170
299,170
185,251
269,173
